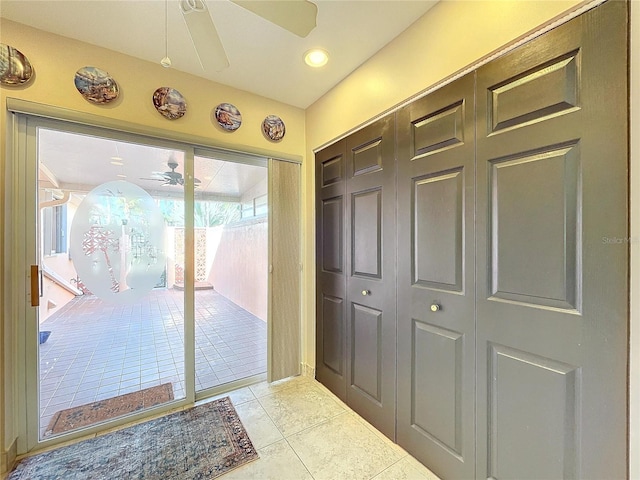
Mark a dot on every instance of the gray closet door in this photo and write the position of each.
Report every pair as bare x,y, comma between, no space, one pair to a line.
331,283
436,286
371,280
552,285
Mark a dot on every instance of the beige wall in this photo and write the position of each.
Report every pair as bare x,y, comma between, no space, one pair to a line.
55,60
239,270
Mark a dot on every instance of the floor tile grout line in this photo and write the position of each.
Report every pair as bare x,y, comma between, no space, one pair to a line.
156,308
298,456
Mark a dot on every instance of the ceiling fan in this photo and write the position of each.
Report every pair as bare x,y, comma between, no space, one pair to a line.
296,16
171,177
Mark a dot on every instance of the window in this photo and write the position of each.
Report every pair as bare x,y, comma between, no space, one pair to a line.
55,230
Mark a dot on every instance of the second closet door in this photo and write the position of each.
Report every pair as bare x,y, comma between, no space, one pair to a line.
436,288
371,279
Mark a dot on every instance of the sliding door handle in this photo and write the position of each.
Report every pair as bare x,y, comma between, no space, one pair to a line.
35,286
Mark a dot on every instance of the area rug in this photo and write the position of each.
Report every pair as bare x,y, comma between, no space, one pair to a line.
200,443
95,412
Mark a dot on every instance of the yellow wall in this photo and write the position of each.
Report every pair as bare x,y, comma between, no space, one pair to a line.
55,60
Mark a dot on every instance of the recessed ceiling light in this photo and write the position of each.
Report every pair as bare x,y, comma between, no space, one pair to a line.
316,57
117,162
121,175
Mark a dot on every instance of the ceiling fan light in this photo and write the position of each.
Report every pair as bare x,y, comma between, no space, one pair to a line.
316,57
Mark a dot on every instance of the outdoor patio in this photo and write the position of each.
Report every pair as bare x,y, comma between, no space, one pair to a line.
98,350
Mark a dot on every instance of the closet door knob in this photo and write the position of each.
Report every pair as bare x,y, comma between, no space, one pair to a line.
435,307
366,292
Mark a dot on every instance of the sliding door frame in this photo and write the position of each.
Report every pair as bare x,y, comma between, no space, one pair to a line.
246,159
23,117
22,222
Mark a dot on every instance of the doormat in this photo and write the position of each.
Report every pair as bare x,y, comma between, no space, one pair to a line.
102,410
202,442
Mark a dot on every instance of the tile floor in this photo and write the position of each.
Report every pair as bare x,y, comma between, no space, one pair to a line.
97,350
303,432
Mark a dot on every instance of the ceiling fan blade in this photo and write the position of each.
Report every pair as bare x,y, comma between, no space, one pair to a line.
155,179
297,16
204,35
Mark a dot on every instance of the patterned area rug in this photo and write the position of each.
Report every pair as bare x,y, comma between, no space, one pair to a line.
202,442
91,413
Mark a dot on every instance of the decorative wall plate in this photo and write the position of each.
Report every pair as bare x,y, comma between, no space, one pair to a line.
96,85
169,102
228,116
15,68
273,127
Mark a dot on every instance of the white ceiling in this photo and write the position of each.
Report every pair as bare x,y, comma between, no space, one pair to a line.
265,59
78,163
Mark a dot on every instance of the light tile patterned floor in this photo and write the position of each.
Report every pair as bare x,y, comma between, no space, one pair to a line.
97,350
302,431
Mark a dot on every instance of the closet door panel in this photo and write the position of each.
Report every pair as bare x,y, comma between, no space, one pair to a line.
371,281
437,203
436,323
331,270
552,293
366,233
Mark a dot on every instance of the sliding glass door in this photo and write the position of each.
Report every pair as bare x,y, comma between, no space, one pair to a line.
231,270
110,322
103,227
142,275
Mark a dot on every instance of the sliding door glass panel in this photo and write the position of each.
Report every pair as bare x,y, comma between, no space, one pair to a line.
111,255
231,270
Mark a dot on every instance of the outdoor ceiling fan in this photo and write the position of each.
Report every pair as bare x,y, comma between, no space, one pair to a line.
296,16
171,177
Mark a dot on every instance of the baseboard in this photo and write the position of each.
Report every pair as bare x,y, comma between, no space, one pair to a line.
8,458
307,370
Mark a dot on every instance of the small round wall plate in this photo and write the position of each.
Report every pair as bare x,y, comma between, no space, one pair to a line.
228,116
169,102
96,85
15,68
273,128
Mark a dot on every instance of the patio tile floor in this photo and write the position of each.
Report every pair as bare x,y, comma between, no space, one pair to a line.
98,350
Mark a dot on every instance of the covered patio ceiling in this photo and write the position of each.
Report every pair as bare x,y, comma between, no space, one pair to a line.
78,163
